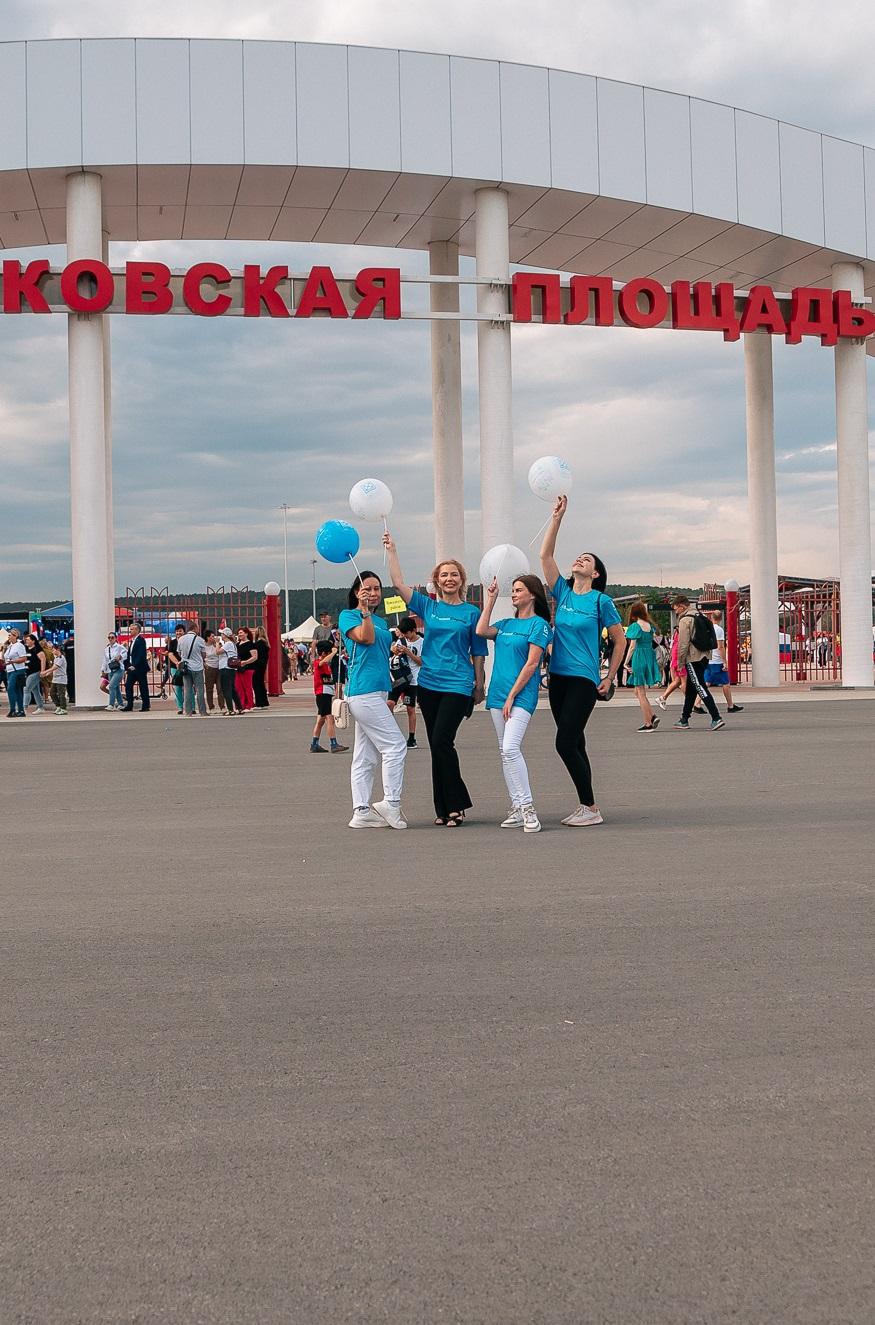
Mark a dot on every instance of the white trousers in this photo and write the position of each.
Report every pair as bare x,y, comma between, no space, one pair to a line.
510,738
377,736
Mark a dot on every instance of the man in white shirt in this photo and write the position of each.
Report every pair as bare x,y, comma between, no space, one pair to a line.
716,672
192,652
15,657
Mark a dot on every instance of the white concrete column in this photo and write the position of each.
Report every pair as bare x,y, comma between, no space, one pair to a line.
88,457
762,508
107,425
491,247
446,407
855,535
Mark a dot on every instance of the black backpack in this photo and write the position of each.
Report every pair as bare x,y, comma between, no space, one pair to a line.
703,635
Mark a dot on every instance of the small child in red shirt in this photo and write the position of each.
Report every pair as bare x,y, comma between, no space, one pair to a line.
323,688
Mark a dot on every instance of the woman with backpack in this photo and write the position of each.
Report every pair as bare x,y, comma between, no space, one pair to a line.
583,610
696,639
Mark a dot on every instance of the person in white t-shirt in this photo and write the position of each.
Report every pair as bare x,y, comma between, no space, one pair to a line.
226,649
716,673
15,658
405,662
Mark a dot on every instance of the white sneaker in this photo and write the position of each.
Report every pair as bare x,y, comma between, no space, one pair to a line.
583,817
367,819
531,822
514,818
390,813
662,704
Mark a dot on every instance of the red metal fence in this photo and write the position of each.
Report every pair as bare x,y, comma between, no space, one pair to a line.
809,625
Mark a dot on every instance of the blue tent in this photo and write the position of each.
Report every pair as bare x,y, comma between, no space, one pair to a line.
63,612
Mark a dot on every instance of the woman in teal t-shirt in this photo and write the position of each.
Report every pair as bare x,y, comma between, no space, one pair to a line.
377,735
451,677
583,610
520,642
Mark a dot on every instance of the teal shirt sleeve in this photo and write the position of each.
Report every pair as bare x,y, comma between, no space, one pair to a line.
610,615
540,633
479,645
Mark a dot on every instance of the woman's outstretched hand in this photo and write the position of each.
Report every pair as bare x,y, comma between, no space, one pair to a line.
492,591
389,542
560,508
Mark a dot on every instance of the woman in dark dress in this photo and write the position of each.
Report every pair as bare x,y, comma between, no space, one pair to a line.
259,671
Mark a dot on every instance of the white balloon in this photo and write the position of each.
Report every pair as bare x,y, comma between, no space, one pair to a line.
550,477
505,563
370,499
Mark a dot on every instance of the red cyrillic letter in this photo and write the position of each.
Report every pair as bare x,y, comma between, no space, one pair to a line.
321,294
656,296
696,312
602,287
379,285
761,310
192,294
258,290
805,321
104,286
851,320
524,285
18,285
147,288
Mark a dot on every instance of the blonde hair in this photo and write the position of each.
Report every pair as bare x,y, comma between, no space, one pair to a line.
451,561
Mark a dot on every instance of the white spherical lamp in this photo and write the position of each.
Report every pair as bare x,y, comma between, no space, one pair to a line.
731,586
271,589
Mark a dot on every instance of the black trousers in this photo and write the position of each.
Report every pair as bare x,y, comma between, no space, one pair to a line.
259,689
132,680
229,690
572,700
696,688
443,714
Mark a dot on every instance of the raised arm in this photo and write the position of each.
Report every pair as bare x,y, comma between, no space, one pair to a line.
363,634
406,591
483,628
549,568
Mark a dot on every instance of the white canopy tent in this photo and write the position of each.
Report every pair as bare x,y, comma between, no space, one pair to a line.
303,633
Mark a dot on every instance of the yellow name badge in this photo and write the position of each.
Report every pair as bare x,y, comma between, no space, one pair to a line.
394,605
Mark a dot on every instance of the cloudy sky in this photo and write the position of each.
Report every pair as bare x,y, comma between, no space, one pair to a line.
218,421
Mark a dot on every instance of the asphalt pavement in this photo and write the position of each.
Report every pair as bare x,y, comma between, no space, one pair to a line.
260,1068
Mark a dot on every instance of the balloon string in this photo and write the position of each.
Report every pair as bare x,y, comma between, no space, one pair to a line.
543,527
385,531
357,571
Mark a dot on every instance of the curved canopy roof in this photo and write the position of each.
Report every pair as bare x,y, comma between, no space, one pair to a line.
255,140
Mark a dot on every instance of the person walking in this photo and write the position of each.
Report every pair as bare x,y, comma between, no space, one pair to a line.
378,738
451,677
717,671
246,659
136,670
192,651
114,670
259,670
583,610
678,679
212,686
33,677
641,661
57,674
226,653
173,660
15,658
323,692
696,640
520,642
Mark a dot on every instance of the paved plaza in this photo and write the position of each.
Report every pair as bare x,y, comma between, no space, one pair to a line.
260,1068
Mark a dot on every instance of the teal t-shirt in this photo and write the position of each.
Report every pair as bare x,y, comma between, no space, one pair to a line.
368,663
579,621
511,653
449,645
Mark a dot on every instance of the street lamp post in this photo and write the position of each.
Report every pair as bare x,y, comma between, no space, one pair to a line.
313,564
285,510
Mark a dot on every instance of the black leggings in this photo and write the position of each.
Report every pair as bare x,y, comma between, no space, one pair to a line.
229,690
572,699
443,714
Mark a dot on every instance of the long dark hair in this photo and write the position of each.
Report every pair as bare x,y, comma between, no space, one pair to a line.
536,589
353,598
599,580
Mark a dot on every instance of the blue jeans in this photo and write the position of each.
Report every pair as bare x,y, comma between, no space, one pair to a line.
15,690
193,688
33,690
115,687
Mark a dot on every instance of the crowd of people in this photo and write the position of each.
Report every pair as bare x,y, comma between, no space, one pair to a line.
578,648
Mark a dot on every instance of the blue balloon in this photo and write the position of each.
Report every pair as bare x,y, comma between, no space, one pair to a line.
337,541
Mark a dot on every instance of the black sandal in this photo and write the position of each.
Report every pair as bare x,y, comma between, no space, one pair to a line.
455,819
440,823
